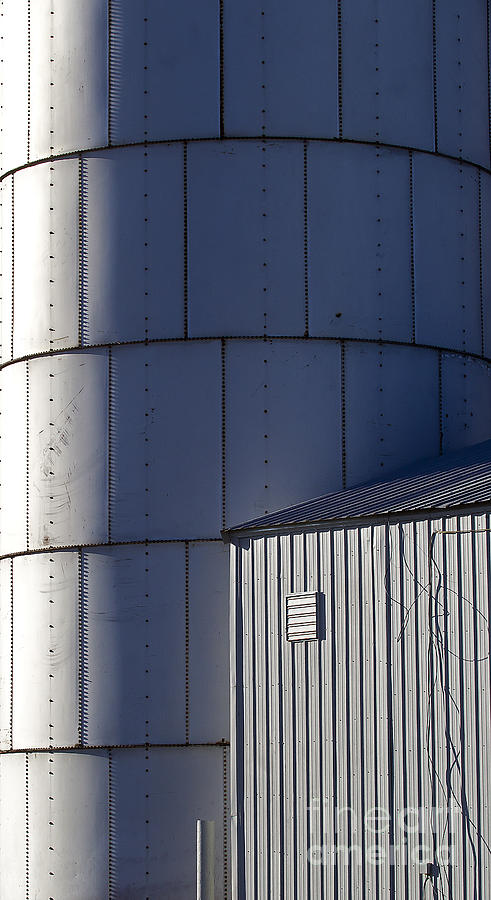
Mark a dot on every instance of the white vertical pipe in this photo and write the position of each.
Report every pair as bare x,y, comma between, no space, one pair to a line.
205,860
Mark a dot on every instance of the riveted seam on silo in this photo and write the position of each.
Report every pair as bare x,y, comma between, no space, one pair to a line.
306,234
481,274
488,54
27,823
411,248
435,76
82,253
342,346
333,339
221,44
340,68
186,643
82,649
185,238
109,72
381,145
111,827
224,429
28,80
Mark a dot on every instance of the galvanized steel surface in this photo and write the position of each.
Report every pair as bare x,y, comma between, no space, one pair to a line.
372,743
197,331
75,77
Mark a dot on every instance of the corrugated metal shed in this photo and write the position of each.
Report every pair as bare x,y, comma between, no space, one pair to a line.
361,759
447,482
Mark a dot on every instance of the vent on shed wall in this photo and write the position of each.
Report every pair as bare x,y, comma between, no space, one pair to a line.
301,617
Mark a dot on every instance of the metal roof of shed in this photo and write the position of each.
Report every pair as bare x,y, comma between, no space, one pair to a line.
445,482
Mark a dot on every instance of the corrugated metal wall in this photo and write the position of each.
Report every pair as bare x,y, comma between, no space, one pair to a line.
390,709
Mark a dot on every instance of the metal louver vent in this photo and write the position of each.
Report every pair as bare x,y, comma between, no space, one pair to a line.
301,617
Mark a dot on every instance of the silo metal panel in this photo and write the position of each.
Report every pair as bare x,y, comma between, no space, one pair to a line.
462,79
208,643
133,210
246,239
5,653
154,853
359,242
13,826
280,64
391,409
68,812
164,445
164,70
446,254
466,402
282,424
45,650
46,258
387,79
485,238
13,494
68,449
13,109
68,76
134,635
6,268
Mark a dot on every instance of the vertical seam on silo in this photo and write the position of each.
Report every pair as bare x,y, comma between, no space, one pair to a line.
343,413
186,641
440,402
82,251
488,53
109,71
110,824
411,245
185,181
340,68
306,234
28,80
221,73
225,824
11,654
27,823
224,430
13,271
481,294
110,404
27,454
81,646
435,80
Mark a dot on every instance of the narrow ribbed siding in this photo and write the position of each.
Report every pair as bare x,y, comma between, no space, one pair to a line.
388,709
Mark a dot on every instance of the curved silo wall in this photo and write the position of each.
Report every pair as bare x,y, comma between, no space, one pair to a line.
244,261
